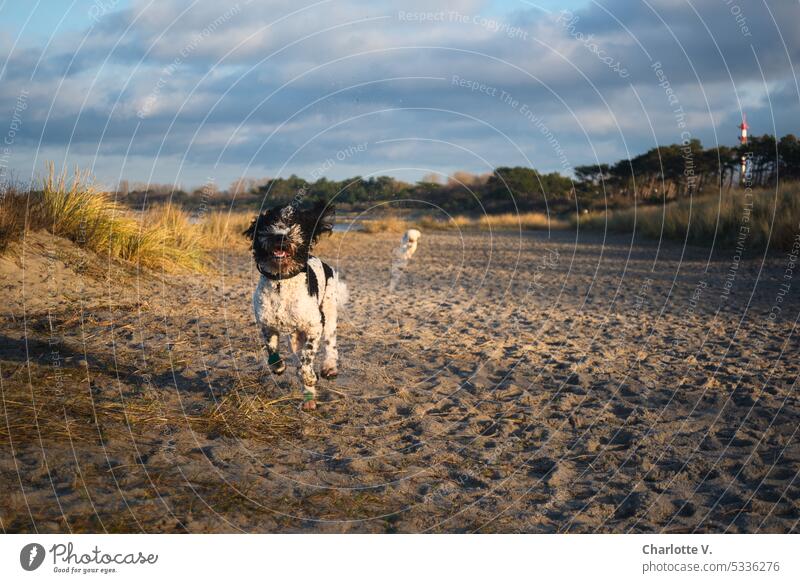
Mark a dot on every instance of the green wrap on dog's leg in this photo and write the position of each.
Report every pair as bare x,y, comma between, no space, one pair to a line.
275,362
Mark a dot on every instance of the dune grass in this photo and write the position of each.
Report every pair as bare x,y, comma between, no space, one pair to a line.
79,211
708,220
13,208
223,229
163,237
74,208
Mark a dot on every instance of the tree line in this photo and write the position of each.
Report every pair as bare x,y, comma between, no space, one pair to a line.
661,174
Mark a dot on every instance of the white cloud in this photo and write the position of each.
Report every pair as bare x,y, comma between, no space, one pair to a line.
215,61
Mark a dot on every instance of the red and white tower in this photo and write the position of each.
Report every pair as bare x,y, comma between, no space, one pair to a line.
743,127
743,141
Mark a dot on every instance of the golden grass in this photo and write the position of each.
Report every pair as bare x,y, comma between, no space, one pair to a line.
523,221
714,220
74,208
530,221
164,237
223,229
179,235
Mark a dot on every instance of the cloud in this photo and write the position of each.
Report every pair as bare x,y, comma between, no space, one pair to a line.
277,87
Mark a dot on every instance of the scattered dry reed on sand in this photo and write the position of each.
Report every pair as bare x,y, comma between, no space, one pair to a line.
246,415
59,405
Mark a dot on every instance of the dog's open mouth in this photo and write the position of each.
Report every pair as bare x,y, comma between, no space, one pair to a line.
279,254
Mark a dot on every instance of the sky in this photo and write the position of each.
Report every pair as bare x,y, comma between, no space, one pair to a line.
196,91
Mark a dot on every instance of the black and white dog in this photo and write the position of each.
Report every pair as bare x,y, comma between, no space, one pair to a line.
297,294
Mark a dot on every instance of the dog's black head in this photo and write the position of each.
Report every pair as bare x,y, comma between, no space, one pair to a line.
283,236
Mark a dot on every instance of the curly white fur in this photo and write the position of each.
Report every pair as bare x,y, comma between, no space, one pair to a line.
285,306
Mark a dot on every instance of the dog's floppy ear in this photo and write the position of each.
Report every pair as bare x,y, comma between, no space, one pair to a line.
318,219
250,233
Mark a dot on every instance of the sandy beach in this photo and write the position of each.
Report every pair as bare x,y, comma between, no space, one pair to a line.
511,383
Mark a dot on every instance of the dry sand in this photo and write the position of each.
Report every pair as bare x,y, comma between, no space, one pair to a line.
511,383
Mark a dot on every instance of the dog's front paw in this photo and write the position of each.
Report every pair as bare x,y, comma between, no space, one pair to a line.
329,372
309,400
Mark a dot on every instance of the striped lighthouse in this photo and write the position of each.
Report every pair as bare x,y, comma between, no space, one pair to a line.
743,127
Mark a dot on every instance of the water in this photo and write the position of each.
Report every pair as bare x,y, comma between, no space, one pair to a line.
347,227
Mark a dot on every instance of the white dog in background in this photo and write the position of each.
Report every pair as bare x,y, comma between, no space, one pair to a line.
402,255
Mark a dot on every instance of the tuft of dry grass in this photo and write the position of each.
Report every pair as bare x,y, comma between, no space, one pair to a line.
717,220
243,415
211,231
181,241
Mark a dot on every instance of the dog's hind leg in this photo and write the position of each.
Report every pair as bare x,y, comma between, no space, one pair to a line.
307,374
276,364
330,353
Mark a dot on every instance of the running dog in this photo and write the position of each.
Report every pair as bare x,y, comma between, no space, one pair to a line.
297,294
